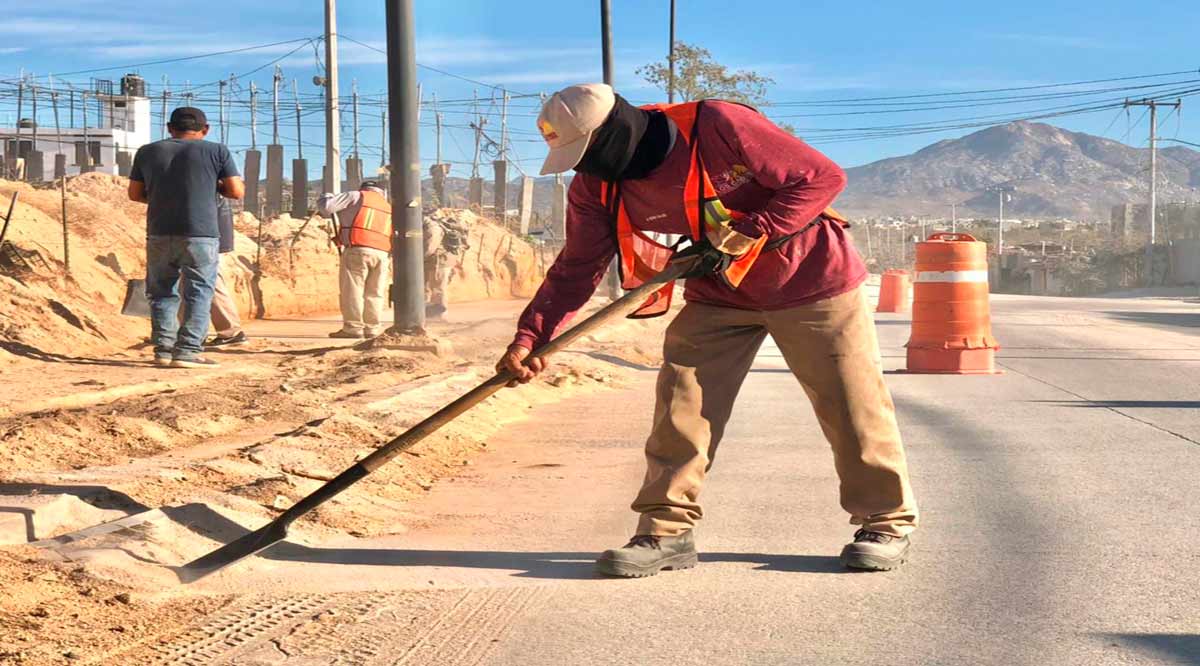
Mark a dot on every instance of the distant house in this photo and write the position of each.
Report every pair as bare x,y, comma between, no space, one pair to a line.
104,138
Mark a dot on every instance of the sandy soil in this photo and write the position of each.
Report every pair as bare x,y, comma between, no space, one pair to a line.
119,471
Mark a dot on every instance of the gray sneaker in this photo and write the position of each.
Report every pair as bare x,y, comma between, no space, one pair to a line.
873,551
193,362
647,555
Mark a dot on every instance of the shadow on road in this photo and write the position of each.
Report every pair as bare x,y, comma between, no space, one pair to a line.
1125,404
1182,649
534,564
1177,319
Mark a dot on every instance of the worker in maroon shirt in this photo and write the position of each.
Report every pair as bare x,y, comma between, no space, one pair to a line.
769,257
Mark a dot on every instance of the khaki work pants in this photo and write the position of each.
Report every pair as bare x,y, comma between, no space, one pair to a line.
439,267
832,349
363,279
225,317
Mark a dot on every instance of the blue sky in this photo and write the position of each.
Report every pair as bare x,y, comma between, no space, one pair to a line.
814,51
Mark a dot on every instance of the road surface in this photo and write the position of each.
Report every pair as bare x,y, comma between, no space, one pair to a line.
1060,525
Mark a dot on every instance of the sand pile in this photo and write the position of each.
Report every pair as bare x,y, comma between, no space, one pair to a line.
281,267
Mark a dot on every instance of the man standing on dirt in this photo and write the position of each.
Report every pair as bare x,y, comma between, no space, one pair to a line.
178,178
446,241
770,257
365,238
225,317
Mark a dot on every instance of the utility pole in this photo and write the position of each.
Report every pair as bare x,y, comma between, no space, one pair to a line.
85,165
408,257
299,140
1153,104
275,104
504,127
220,108
671,59
1005,194
383,152
162,129
354,97
614,278
953,218
332,130
437,120
606,39
478,127
253,116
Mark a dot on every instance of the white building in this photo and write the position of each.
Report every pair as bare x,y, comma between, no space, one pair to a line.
123,126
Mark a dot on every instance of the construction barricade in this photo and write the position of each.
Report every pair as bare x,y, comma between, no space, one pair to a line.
951,320
893,292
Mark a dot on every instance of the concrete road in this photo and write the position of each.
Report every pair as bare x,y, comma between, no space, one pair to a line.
1060,525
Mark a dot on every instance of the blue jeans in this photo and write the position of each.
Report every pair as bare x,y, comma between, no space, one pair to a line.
168,257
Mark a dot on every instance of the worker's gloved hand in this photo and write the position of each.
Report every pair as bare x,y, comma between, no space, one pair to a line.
513,361
711,260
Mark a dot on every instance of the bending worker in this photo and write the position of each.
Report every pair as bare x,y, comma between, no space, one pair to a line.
769,257
365,238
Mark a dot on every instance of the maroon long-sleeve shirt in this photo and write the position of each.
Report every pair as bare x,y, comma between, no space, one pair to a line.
781,184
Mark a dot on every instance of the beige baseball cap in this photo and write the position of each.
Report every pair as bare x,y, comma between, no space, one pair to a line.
567,121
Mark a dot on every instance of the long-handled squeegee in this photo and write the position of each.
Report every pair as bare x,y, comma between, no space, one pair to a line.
276,530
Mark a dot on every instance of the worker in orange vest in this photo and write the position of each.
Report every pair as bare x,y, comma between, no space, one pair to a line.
365,238
770,258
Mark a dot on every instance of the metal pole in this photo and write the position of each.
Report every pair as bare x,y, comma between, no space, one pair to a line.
87,145
355,98
671,60
408,260
504,127
162,129
437,121
34,90
299,142
220,109
275,105
1000,233
614,278
253,116
606,39
953,217
72,96
332,129
383,139
1153,194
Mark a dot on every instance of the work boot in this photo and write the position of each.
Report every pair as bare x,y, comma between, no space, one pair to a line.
162,360
343,333
875,551
646,555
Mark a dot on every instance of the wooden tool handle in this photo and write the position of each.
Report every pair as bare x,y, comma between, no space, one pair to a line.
618,308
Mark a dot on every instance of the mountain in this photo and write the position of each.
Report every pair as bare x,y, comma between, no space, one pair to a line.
1056,173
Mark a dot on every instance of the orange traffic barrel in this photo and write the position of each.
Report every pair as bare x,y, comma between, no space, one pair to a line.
893,292
951,319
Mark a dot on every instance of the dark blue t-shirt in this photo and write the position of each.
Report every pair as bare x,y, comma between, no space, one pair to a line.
181,184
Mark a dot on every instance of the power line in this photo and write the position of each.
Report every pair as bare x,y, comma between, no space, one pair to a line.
432,69
186,58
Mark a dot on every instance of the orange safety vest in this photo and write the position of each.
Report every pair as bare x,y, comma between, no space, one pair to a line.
641,257
372,225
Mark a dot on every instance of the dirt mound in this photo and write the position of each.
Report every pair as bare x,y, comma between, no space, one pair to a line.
280,267
56,613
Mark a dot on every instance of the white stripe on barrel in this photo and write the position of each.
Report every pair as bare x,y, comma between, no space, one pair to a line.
952,276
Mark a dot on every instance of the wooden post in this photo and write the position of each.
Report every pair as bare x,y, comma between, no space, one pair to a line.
62,185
